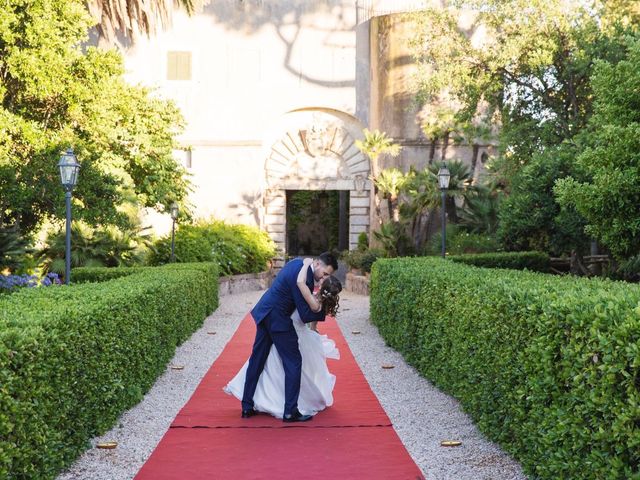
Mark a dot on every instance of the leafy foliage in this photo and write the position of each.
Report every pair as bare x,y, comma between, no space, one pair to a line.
13,248
531,218
234,248
609,198
533,261
521,64
75,358
102,247
459,241
377,143
546,365
55,92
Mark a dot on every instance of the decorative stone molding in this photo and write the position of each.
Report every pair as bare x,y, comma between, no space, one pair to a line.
314,149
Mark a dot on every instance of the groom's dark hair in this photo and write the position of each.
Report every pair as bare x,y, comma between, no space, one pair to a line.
329,259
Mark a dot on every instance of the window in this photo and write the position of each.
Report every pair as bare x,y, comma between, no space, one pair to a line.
178,65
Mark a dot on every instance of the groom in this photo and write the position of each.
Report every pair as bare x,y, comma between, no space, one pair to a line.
274,326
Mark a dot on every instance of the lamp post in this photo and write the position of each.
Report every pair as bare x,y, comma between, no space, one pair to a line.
69,167
443,181
174,210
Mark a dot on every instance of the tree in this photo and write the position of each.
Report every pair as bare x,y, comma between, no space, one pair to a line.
523,66
390,182
377,143
55,94
130,17
609,196
530,218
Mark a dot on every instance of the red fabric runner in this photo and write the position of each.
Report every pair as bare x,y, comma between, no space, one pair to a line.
353,439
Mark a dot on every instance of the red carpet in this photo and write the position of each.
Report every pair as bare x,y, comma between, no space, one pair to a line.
353,439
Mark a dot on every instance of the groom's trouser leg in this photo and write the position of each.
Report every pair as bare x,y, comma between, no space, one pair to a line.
259,354
287,345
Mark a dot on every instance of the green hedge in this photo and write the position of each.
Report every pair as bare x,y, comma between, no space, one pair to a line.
73,359
235,248
547,366
534,261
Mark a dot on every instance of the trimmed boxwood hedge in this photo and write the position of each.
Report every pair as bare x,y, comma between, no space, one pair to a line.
534,261
547,366
73,359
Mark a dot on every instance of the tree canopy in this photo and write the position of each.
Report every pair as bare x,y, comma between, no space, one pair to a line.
56,92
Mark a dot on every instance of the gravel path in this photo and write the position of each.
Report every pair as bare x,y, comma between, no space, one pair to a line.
421,414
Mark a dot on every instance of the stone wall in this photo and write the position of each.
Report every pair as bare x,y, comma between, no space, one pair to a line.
248,282
357,284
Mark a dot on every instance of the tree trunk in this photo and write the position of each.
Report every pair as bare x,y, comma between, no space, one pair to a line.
474,160
452,210
395,210
445,144
432,151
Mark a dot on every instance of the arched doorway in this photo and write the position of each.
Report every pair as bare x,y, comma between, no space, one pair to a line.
313,149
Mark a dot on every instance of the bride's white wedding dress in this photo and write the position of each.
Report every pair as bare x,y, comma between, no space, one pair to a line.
316,385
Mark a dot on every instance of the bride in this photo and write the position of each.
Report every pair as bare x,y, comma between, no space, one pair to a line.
316,386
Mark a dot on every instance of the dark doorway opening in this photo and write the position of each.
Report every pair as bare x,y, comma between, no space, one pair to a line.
317,221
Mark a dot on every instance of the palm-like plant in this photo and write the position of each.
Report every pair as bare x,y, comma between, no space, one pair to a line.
128,17
460,185
391,182
377,143
422,199
105,247
13,248
393,239
479,214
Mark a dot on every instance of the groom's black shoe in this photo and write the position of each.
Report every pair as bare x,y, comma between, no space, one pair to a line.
296,416
249,413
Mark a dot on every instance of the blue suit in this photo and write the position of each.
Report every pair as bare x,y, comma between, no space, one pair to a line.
274,326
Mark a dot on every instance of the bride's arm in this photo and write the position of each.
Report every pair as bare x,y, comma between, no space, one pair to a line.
314,304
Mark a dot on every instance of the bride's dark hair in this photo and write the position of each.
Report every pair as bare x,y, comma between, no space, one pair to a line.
329,297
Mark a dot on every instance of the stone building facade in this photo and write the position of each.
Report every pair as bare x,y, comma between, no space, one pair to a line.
275,93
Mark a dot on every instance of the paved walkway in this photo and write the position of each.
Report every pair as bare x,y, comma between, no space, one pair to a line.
421,415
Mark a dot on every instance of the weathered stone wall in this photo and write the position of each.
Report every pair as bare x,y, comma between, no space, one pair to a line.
249,282
252,61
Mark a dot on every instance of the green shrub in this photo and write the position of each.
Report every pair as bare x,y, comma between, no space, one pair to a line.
363,242
235,248
547,366
460,242
108,246
73,359
362,259
534,261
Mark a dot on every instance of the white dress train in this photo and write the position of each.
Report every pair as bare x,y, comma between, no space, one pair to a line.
316,385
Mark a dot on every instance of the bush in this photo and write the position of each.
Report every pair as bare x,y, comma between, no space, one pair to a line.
235,248
460,241
362,259
73,359
14,247
534,261
363,242
95,247
546,365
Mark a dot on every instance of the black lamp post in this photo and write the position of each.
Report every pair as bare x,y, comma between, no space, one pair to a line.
443,181
174,210
69,167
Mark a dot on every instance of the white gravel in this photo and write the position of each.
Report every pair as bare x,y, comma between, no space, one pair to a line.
421,414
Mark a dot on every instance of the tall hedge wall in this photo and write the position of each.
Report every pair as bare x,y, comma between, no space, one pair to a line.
73,359
547,366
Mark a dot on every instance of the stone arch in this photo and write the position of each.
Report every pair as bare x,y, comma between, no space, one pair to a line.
313,148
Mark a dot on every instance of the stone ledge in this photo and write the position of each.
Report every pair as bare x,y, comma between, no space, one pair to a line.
247,282
357,284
